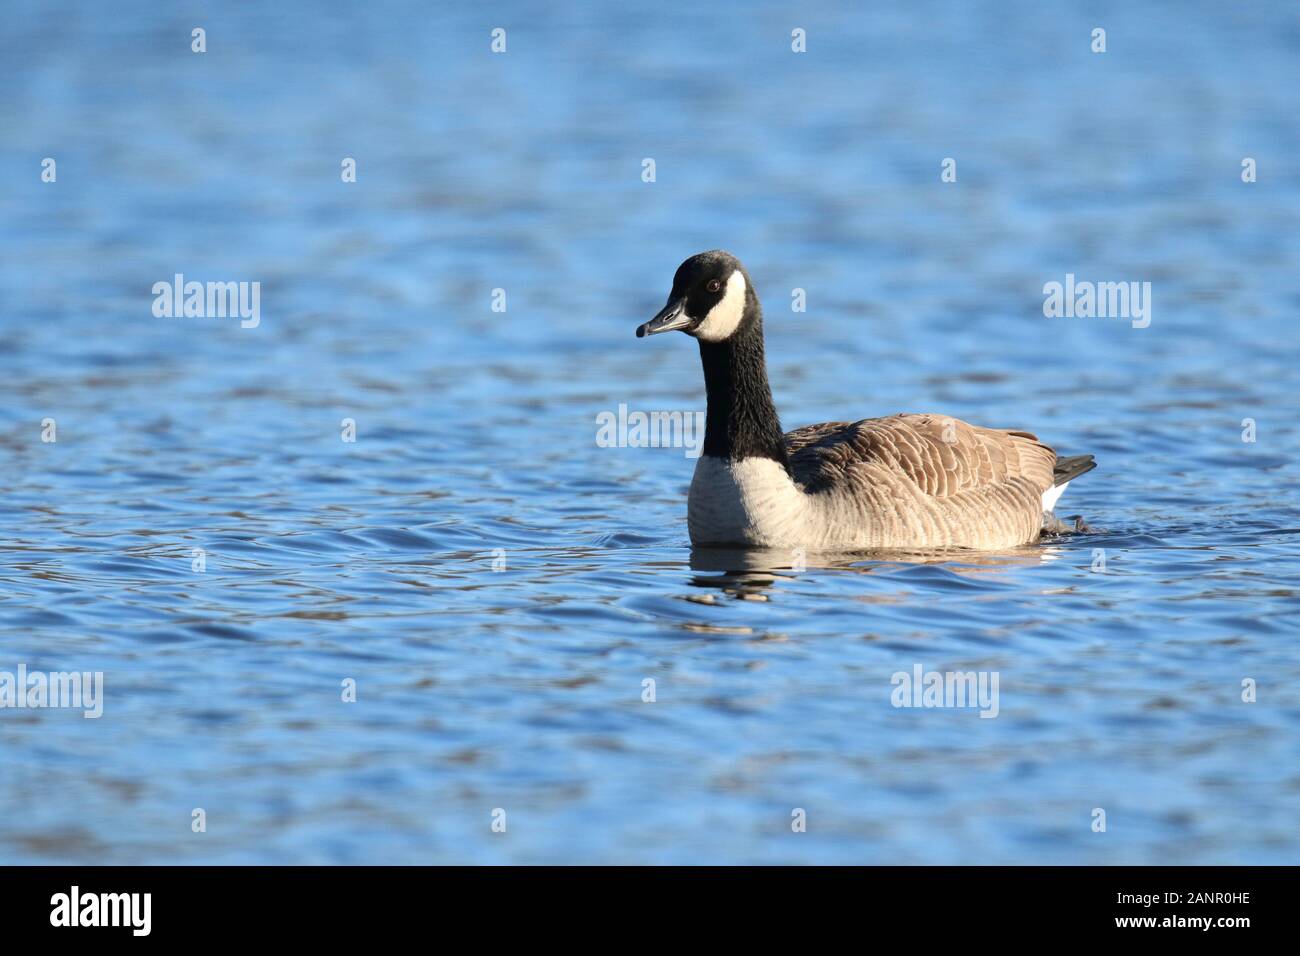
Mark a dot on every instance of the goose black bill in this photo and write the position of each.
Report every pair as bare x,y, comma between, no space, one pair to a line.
670,317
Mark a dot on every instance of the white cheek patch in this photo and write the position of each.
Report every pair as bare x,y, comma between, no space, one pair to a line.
724,318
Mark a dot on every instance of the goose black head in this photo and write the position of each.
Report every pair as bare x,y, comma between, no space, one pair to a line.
710,299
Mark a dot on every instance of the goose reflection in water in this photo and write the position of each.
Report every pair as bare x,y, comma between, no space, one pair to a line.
748,573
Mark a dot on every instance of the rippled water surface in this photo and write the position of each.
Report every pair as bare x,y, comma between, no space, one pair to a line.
521,688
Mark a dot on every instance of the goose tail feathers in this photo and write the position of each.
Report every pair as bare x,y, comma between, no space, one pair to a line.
1067,469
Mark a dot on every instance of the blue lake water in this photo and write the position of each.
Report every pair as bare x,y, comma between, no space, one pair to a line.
520,688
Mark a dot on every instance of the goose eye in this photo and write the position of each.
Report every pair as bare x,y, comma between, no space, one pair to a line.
714,285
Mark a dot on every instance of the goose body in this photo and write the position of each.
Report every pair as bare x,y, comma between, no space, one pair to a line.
908,482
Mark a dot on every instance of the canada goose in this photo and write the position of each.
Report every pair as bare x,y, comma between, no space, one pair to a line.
903,482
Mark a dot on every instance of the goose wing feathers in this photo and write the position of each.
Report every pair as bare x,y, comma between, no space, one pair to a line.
939,457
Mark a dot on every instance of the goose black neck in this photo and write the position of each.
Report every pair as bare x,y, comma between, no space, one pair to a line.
742,420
